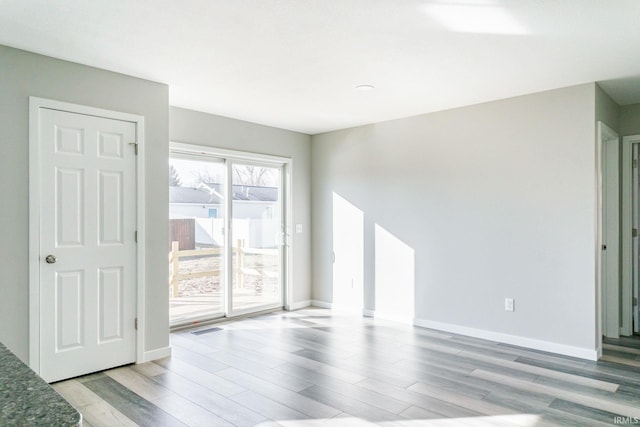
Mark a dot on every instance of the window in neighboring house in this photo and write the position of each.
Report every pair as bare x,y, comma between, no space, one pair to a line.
213,212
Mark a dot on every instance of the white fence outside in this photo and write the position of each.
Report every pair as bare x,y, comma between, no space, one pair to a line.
257,233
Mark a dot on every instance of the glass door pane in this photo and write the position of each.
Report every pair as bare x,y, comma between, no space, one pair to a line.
256,237
196,238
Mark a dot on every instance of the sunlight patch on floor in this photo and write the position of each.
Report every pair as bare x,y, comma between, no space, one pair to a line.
521,420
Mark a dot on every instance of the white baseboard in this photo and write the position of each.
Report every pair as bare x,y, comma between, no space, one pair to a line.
346,309
337,307
388,316
321,304
551,347
567,350
300,304
364,312
156,354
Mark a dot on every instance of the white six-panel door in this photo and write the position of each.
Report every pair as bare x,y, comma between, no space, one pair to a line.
87,243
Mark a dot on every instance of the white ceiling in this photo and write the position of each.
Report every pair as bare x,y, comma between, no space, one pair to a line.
294,63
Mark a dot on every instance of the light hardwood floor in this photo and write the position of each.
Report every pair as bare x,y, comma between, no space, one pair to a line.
315,367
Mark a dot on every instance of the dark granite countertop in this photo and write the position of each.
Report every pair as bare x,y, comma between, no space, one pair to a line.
27,400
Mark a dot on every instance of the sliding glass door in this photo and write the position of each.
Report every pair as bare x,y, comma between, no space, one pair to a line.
256,231
227,235
197,201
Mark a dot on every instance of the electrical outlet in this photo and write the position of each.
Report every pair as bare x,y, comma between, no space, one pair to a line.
509,304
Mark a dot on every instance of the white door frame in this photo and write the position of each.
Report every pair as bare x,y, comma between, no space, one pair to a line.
635,262
286,201
635,285
35,105
627,227
608,252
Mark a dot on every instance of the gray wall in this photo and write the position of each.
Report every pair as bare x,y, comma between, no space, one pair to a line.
24,74
607,111
630,120
492,201
214,131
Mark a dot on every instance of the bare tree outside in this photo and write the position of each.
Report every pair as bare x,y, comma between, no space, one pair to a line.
174,177
206,175
189,173
257,176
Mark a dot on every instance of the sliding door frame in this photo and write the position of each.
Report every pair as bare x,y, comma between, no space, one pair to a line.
285,164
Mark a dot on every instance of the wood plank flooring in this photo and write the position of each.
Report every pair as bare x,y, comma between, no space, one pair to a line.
315,367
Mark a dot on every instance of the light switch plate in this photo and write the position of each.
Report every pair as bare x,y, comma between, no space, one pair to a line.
298,228
509,304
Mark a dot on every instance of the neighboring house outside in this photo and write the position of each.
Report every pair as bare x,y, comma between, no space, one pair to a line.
255,213
190,202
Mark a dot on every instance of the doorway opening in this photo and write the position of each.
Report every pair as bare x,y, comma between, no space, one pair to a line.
609,240
619,250
228,233
630,287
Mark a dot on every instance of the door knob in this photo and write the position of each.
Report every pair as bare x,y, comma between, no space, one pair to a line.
50,259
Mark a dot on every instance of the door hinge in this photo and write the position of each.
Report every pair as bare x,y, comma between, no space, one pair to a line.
135,324
634,232
634,163
135,147
135,236
635,301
